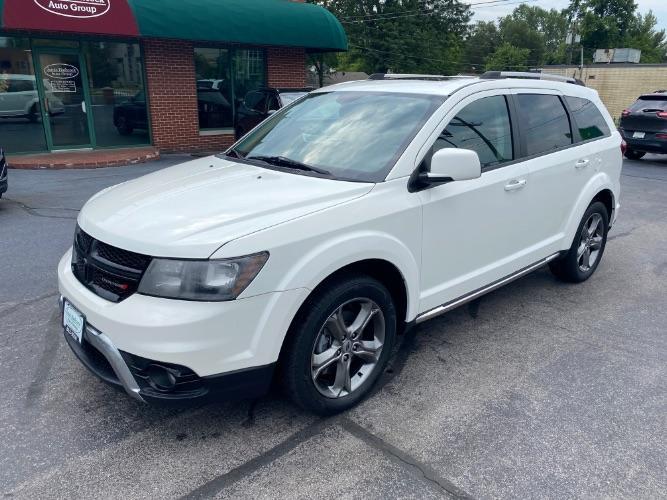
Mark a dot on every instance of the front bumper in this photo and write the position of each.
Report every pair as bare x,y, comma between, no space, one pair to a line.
225,349
97,353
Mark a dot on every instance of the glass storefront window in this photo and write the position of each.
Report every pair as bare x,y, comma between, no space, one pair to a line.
214,88
249,72
21,129
117,93
224,77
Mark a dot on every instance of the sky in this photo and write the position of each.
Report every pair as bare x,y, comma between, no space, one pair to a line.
491,12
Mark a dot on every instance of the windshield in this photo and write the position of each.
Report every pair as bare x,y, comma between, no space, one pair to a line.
351,135
289,97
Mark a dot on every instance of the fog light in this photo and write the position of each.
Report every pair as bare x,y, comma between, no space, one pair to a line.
161,379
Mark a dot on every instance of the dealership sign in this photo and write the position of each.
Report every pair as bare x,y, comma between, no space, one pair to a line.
76,8
61,71
99,17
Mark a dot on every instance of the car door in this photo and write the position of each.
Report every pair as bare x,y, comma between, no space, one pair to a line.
557,168
474,232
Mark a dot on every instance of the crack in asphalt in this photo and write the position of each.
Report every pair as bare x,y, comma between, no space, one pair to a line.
33,210
28,302
224,481
395,453
45,364
220,483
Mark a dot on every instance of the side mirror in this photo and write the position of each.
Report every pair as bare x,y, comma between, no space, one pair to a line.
451,165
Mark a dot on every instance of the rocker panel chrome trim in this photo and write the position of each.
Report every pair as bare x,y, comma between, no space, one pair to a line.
448,306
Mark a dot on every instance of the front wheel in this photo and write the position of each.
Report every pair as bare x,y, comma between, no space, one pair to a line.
339,345
586,252
632,154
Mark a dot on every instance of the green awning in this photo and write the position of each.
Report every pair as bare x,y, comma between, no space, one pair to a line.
257,22
248,22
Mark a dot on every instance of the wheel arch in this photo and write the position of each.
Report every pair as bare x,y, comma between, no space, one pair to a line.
599,188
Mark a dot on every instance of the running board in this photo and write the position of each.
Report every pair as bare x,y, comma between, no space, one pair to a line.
448,306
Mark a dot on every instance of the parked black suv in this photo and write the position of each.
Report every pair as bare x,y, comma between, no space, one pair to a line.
644,125
260,104
131,114
3,172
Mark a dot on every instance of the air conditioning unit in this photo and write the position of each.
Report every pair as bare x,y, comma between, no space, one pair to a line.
607,56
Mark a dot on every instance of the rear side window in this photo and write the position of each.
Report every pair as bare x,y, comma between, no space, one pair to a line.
484,127
588,118
546,126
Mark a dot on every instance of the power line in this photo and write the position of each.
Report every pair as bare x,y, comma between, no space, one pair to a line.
416,13
424,58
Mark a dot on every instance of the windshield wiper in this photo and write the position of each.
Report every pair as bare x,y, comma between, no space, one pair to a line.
234,154
282,161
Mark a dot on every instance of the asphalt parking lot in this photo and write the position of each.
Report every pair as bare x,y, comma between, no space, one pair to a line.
538,390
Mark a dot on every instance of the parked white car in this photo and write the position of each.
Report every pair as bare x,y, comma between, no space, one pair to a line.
331,228
19,98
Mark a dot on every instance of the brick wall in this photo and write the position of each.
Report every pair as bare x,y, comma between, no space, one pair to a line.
172,90
618,85
286,67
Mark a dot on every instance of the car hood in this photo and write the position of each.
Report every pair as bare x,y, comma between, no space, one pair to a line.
192,209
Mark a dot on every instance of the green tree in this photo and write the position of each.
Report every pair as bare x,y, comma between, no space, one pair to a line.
642,35
552,26
483,40
406,36
508,58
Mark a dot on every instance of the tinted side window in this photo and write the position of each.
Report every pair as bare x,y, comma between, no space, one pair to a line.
588,118
484,127
545,123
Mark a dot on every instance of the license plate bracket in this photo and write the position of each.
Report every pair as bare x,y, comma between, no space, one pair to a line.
74,321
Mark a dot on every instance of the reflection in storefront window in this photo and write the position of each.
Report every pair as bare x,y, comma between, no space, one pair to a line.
214,88
224,77
116,79
21,128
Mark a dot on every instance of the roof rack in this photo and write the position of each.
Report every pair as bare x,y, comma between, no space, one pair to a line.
397,76
499,75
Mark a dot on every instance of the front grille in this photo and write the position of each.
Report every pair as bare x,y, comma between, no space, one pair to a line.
109,272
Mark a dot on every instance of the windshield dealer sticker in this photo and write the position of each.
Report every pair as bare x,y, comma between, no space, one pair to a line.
76,8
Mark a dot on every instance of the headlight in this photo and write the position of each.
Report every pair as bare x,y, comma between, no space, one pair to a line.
201,280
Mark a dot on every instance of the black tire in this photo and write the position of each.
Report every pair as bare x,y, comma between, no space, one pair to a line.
632,154
33,115
296,373
123,126
569,268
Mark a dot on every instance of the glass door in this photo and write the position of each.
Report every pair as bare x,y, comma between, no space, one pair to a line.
64,95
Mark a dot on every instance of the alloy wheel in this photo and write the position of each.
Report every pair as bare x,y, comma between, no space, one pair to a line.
592,237
348,347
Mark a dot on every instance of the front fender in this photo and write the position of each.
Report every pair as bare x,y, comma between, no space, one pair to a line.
600,182
291,268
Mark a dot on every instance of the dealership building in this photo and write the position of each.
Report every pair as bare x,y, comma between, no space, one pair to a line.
98,74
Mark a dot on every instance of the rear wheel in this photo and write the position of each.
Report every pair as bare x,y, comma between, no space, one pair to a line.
584,256
633,154
339,345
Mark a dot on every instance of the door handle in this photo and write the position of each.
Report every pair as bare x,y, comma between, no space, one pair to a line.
515,185
582,164
83,106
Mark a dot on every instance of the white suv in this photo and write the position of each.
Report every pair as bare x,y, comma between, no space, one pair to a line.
344,219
